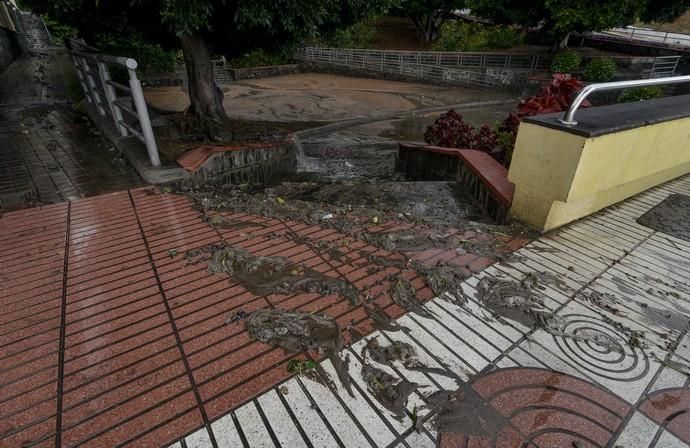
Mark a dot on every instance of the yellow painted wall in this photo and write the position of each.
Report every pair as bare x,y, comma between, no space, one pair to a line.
560,177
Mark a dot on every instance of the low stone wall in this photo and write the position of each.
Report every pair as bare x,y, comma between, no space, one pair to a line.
221,74
509,79
238,74
246,164
563,172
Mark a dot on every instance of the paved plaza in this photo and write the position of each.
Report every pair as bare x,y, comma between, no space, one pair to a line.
111,336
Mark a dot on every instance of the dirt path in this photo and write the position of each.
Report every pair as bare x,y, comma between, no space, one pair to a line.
320,98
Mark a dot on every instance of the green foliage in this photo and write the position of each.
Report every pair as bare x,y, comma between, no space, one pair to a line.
600,70
428,15
500,36
565,62
641,94
260,58
462,36
560,17
152,58
360,35
58,30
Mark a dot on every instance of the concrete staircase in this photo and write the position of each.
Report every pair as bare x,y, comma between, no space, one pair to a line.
36,32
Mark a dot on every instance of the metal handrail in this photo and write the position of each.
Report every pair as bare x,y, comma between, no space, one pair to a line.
569,117
102,91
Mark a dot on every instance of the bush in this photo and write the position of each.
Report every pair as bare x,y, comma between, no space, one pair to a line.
58,31
641,94
451,131
152,58
461,36
504,37
360,35
259,58
565,62
600,70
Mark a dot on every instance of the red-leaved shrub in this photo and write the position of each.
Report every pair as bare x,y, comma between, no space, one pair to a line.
451,131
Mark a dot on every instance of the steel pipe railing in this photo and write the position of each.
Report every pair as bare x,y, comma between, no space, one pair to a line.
569,117
102,92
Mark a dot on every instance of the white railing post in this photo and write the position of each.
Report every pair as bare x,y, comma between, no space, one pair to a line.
111,97
92,86
142,113
82,79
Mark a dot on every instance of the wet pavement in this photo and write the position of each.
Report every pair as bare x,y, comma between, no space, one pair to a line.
320,98
606,372
48,151
115,333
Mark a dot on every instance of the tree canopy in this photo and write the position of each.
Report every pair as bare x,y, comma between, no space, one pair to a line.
428,15
559,17
199,26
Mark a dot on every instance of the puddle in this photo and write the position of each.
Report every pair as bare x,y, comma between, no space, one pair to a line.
270,275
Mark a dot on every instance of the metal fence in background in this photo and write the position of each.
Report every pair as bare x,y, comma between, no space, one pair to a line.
436,58
401,63
125,105
664,66
649,35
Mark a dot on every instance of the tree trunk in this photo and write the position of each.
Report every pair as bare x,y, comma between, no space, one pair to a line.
205,96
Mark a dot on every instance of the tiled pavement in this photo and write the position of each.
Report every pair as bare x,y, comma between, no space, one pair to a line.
108,338
50,156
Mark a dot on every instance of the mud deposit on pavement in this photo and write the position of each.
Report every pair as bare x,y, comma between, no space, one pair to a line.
390,391
270,275
515,301
298,332
464,412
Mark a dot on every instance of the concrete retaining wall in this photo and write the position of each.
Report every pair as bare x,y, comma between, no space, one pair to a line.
254,164
563,173
421,165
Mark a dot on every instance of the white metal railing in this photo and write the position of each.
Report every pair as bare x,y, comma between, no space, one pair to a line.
649,35
125,105
399,63
442,58
569,117
664,66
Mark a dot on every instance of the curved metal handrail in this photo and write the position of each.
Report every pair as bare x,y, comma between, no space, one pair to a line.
569,117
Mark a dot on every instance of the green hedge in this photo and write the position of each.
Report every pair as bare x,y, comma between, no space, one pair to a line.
461,36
